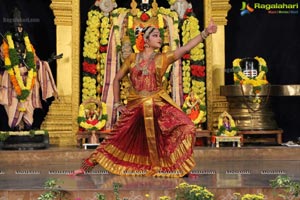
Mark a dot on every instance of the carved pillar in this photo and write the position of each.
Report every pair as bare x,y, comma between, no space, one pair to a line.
61,121
215,56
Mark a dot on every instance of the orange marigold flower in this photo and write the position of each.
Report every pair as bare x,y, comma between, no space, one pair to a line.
139,41
32,83
5,49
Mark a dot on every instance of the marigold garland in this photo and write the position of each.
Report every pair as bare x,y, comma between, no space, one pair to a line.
94,52
12,62
193,62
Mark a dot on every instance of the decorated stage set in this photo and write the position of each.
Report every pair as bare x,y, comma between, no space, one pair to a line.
239,145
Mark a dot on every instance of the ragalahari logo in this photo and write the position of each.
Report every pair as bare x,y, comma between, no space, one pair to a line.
246,8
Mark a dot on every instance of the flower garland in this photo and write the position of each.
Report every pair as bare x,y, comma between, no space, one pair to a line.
94,53
193,69
97,123
256,82
161,27
11,62
104,37
91,49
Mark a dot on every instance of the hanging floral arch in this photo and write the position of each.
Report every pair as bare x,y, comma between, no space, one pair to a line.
100,28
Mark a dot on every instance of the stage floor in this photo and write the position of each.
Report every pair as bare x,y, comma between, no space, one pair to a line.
223,171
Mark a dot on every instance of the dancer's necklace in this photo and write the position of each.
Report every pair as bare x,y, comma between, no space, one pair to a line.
144,69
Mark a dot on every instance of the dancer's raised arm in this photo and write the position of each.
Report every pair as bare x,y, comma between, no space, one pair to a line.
210,29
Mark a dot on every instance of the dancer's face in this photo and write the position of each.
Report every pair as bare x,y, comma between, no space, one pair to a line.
154,40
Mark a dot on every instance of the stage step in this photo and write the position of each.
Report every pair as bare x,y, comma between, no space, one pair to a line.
224,171
69,154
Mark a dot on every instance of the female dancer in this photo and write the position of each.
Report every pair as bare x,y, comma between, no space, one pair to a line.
152,136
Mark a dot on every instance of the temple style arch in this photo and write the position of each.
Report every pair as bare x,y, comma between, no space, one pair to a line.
61,121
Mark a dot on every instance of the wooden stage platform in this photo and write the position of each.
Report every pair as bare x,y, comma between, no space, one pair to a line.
224,171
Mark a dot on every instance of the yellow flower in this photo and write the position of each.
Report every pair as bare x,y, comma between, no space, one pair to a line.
10,42
261,61
236,62
186,79
102,119
130,21
27,44
7,61
171,2
186,90
135,49
14,72
160,21
22,109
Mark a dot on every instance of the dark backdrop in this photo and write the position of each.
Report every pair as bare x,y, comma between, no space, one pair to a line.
39,23
275,37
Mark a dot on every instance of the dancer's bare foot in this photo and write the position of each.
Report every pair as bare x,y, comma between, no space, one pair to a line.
77,172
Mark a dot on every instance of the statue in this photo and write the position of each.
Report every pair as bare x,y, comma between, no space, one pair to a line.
226,125
180,6
194,108
251,71
92,117
106,6
22,77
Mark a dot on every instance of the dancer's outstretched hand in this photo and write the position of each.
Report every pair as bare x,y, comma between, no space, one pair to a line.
212,27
